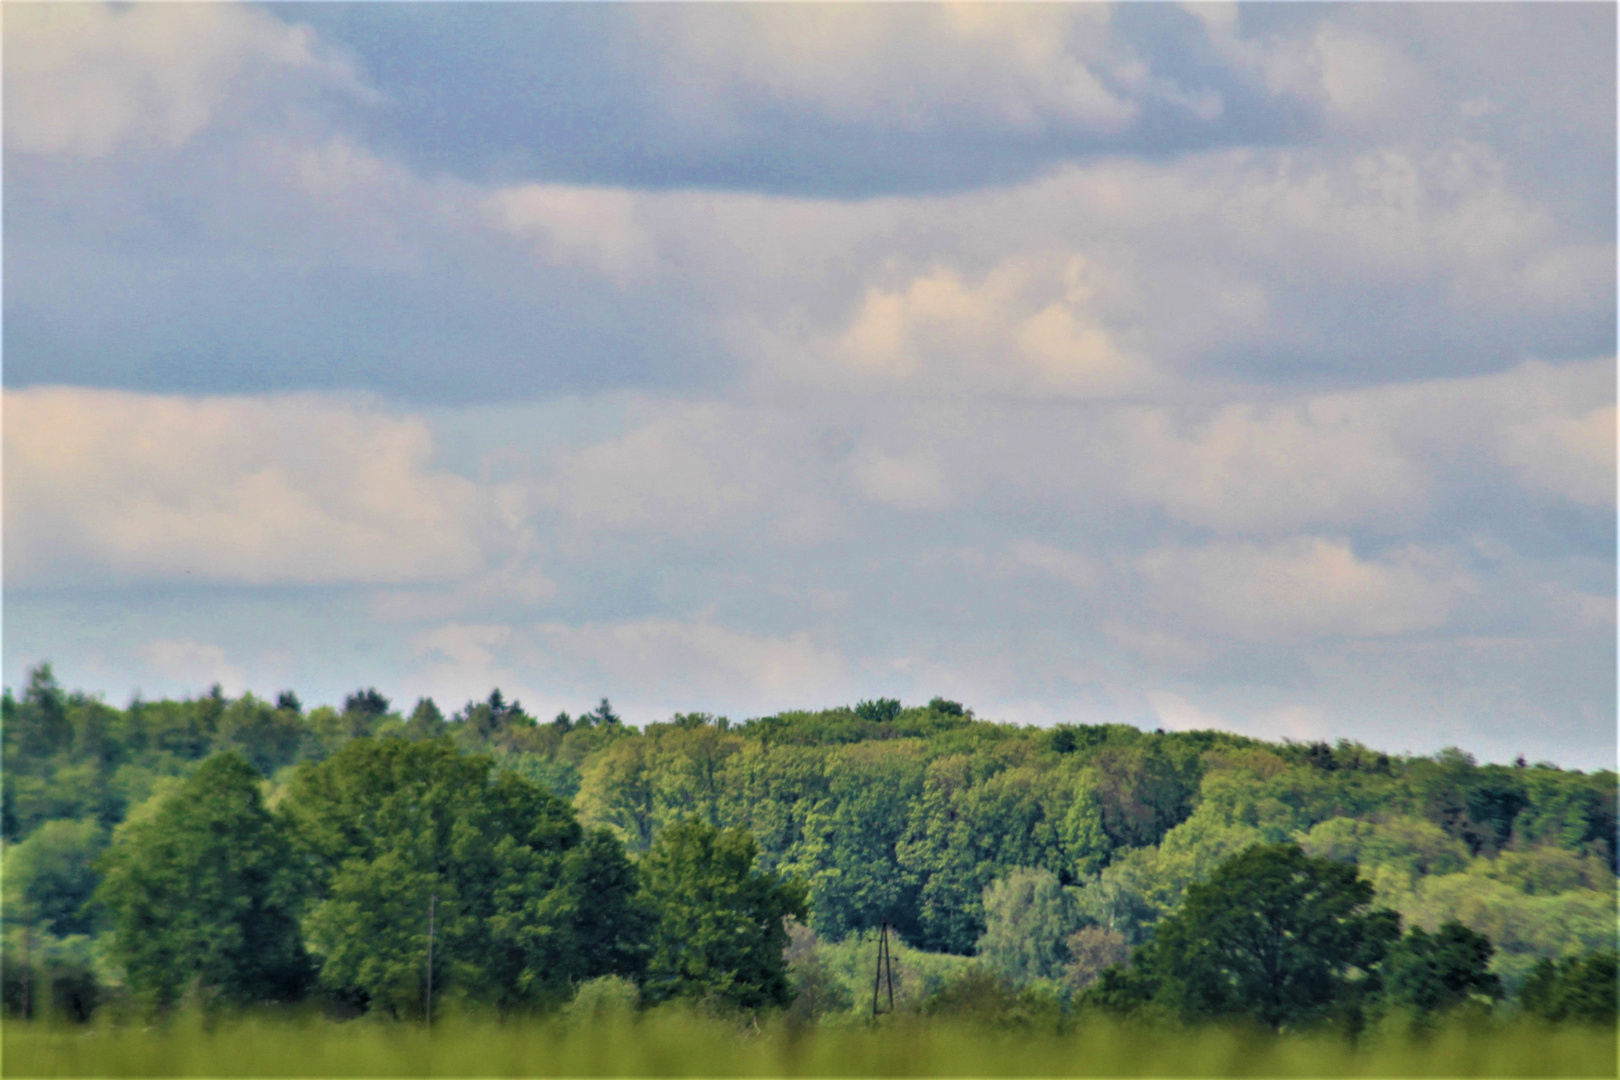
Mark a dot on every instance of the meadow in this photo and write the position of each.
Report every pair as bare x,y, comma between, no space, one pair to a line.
677,1042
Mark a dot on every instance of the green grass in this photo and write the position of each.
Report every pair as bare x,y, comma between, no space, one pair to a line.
670,1043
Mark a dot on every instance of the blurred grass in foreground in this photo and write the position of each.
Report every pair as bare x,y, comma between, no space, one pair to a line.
672,1043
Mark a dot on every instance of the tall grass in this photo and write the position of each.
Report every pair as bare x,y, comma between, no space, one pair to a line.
677,1043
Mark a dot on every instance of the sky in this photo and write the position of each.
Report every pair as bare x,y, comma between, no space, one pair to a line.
1221,366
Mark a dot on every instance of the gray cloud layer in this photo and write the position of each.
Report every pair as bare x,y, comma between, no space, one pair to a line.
1240,366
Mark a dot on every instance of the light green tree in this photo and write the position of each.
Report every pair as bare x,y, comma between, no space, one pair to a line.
1028,917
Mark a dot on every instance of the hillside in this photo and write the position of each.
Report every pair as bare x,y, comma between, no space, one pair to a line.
896,814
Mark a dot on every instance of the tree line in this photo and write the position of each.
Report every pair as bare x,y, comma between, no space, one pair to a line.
1049,856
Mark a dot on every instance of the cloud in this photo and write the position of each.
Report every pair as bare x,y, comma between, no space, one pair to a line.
678,659
1377,458
650,665
1307,587
977,66
1251,468
88,80
570,225
1572,456
192,663
1024,329
293,490
685,469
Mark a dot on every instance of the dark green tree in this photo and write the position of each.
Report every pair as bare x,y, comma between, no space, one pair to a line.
426,722
523,903
1142,792
1430,973
205,891
720,932
369,702
882,711
1581,989
1273,935
267,737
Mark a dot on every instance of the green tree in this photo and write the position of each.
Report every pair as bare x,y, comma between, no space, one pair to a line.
267,737
1430,973
1142,792
720,932
50,876
524,903
618,790
1578,988
1273,935
205,891
1028,918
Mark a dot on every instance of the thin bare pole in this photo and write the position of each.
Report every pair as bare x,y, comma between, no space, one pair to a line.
432,902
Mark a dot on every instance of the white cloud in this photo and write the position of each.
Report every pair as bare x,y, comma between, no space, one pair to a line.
111,485
1373,458
1069,566
1250,468
910,67
1307,587
593,228
906,483
1026,328
1568,455
90,79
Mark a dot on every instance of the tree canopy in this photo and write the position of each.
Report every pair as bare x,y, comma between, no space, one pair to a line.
1273,934
721,931
204,892
532,838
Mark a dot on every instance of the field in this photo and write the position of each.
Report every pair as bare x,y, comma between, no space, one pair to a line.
666,1043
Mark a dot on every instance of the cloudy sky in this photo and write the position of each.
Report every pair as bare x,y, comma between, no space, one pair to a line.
1209,366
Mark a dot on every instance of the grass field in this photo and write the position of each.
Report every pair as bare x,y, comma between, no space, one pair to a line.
672,1044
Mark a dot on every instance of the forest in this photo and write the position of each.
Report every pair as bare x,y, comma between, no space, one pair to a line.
371,861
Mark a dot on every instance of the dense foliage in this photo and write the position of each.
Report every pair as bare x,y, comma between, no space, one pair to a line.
1273,934
545,848
204,889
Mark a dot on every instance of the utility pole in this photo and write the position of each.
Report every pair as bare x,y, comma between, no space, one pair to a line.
432,902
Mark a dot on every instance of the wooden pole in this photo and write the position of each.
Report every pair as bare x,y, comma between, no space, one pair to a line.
432,902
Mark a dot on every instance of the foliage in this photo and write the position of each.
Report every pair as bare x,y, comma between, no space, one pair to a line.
521,900
204,892
1426,974
1028,920
1092,950
817,989
1579,989
1273,934
720,933
50,876
887,813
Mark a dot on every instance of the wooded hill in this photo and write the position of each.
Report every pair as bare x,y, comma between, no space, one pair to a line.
915,816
